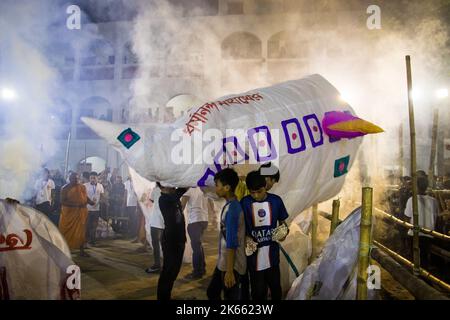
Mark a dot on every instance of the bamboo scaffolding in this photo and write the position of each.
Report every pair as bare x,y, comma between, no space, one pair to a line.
401,156
398,221
334,216
66,162
410,226
434,134
314,225
399,258
412,133
364,243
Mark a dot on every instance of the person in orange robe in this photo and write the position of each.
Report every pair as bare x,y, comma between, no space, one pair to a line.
72,223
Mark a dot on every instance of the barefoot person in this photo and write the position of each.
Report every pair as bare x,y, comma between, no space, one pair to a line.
74,213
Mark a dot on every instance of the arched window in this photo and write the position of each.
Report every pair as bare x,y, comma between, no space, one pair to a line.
92,163
181,103
241,45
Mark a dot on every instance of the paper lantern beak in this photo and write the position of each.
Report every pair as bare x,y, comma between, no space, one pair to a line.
338,124
358,125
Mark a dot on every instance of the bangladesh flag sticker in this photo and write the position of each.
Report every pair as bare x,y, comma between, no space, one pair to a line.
128,138
341,166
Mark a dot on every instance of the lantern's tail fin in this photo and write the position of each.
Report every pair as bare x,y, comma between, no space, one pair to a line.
107,130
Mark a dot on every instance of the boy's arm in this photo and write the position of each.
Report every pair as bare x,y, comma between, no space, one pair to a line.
229,279
283,215
210,207
232,227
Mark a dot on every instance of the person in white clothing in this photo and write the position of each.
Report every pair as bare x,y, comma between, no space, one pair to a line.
43,189
428,211
156,229
94,192
197,209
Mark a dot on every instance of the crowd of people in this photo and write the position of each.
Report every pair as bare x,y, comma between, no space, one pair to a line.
252,221
250,224
78,202
249,227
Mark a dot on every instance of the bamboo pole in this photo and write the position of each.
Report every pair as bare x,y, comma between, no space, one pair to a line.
405,224
364,243
335,216
440,252
66,162
433,148
412,133
314,224
401,155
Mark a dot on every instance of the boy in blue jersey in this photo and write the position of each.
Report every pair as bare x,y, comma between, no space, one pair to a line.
231,262
263,213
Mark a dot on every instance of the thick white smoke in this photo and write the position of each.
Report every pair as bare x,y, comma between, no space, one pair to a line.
367,66
27,133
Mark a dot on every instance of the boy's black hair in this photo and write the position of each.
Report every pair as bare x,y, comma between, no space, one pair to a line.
228,177
422,185
93,173
158,184
255,181
270,170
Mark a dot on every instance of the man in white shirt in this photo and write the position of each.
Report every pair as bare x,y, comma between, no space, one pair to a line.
94,191
197,206
131,210
428,212
156,229
43,188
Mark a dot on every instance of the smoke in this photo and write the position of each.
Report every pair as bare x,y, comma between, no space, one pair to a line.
27,126
366,66
170,46
184,49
